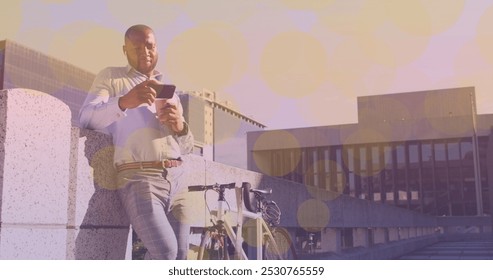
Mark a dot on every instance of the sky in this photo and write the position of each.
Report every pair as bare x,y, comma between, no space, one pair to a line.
284,63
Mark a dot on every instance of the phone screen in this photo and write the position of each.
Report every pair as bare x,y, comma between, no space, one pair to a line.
164,91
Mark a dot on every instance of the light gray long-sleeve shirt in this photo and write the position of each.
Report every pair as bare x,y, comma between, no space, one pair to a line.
137,133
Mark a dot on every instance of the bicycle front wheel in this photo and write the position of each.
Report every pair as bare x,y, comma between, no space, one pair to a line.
285,246
213,246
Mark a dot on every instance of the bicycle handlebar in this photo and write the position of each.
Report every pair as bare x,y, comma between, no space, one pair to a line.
199,188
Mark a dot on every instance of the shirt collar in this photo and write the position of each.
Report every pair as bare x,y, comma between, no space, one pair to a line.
156,75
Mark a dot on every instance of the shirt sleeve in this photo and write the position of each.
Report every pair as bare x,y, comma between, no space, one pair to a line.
101,107
184,141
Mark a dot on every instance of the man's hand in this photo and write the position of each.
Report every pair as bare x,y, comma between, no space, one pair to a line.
170,116
140,94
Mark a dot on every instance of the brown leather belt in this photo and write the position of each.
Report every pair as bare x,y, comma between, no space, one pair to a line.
167,163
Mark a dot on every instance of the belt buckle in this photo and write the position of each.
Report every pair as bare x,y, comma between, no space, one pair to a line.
163,163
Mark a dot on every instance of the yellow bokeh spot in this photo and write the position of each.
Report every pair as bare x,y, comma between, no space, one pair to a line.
103,170
250,237
294,64
409,16
307,4
348,64
11,19
366,135
151,13
313,215
209,56
443,18
344,17
230,12
89,46
276,139
484,37
419,18
391,46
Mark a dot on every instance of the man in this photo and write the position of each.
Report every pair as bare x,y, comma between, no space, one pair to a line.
148,144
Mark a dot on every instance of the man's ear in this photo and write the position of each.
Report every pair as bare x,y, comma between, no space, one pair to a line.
124,50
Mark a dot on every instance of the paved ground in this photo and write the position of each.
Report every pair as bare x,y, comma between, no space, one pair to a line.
455,250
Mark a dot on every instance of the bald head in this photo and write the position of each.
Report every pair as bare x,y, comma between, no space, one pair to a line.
137,29
140,48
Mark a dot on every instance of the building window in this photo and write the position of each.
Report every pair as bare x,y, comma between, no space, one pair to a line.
401,175
376,168
363,175
340,178
414,176
351,171
388,171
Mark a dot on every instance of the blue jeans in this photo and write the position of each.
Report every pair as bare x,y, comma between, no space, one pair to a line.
154,205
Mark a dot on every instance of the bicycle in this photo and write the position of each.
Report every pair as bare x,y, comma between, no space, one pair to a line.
271,214
221,241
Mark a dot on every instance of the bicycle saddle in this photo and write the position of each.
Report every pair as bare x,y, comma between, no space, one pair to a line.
257,191
250,196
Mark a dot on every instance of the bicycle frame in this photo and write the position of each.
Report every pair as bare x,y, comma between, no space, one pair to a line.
220,218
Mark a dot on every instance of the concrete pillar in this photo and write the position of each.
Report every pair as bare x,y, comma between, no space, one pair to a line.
404,233
57,190
331,240
380,236
429,230
413,232
34,163
393,234
361,237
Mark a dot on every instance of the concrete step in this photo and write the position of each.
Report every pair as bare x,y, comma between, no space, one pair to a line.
454,250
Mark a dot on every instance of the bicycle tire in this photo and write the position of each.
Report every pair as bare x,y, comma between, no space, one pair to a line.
284,244
213,246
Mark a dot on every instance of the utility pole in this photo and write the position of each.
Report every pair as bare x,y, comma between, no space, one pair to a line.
475,150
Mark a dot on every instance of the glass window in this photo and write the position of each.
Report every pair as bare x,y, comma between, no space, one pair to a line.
362,158
326,168
388,173
351,170
339,160
453,152
413,155
327,160
363,174
400,156
466,152
400,175
315,168
426,154
339,179
375,171
440,157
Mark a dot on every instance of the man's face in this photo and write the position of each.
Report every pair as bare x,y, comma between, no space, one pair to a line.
141,51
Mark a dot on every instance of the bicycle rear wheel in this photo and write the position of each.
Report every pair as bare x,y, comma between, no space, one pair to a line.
284,243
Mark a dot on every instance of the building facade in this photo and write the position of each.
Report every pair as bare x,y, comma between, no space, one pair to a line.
219,130
22,67
425,151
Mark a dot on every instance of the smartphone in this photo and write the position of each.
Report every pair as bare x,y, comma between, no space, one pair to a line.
163,90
